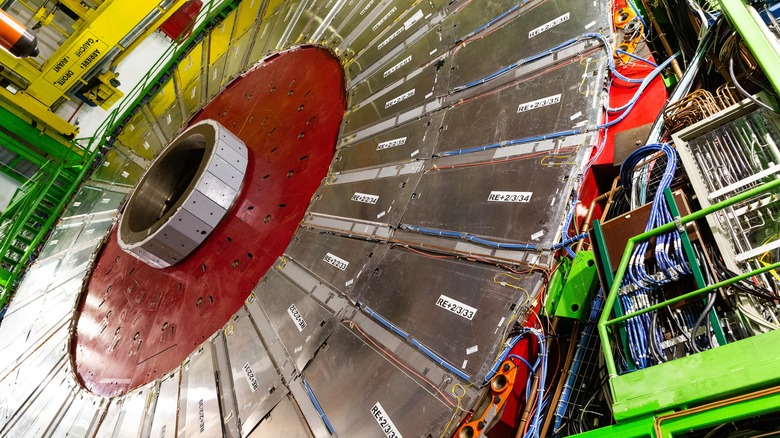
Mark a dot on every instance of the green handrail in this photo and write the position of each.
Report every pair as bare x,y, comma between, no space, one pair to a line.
605,321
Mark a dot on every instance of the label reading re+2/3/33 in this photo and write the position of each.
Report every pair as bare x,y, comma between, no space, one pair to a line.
384,421
297,318
456,307
496,196
335,261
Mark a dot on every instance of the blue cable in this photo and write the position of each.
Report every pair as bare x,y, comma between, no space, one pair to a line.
386,323
638,58
469,237
318,407
636,11
439,360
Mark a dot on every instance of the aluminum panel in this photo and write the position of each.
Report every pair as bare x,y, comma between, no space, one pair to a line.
547,102
339,261
460,310
261,39
81,418
40,278
373,379
164,415
283,421
216,75
45,335
283,19
24,382
412,140
202,415
109,421
236,60
38,413
301,323
458,199
538,29
349,16
378,200
375,22
131,419
256,384
61,239
421,40
84,201
302,22
418,91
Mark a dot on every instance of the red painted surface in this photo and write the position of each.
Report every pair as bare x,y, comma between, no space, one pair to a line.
179,25
137,323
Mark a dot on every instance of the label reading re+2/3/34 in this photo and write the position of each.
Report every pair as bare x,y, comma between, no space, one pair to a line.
497,196
456,307
384,421
297,318
335,261
365,198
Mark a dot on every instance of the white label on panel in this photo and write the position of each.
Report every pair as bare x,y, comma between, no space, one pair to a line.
383,19
384,421
363,197
391,143
549,25
394,68
413,19
297,318
456,307
496,196
534,104
400,98
336,261
250,377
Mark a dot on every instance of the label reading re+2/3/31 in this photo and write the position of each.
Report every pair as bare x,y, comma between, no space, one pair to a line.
456,307
384,421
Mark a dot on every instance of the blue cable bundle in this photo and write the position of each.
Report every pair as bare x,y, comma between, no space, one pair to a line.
643,279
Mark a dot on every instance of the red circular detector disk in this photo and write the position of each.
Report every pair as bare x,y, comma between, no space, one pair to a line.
135,322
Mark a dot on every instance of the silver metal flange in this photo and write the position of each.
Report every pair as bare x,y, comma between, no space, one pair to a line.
184,194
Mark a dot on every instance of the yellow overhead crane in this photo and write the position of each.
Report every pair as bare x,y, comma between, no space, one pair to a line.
104,32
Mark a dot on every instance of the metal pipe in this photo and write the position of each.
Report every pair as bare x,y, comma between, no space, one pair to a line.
662,36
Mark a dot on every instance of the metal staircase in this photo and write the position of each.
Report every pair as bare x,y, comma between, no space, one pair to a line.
30,215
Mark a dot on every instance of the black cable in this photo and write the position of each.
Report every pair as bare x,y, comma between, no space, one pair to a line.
742,90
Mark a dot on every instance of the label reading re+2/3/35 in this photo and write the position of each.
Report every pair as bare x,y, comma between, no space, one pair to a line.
384,421
534,104
365,198
496,196
335,261
456,307
297,318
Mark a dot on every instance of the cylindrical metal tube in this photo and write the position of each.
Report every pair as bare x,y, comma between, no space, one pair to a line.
15,38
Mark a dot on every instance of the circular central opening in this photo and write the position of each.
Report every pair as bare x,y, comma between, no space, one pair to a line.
165,184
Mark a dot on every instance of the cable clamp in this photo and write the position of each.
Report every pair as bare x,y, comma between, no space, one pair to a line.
678,223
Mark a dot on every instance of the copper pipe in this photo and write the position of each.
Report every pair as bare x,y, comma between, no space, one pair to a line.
662,37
